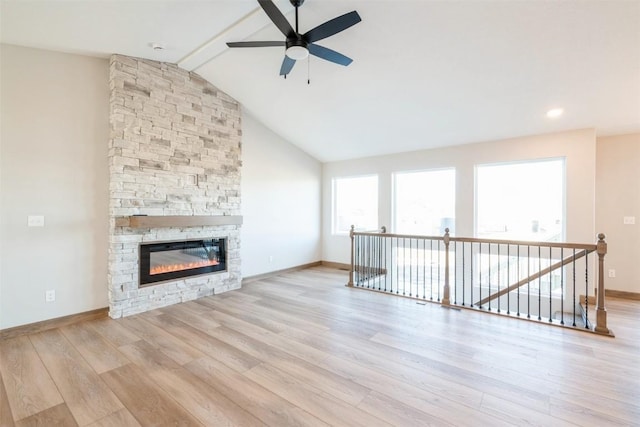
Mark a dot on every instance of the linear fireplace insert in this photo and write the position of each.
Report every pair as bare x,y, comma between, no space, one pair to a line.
162,261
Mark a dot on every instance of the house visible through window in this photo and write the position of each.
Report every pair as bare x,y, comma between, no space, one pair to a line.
355,202
425,202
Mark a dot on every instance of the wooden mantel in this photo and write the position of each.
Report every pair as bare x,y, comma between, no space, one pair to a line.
152,221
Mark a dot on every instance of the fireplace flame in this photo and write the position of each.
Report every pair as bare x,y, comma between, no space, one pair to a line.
159,269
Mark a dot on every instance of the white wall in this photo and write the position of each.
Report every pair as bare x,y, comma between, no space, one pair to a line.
617,196
281,199
54,133
578,147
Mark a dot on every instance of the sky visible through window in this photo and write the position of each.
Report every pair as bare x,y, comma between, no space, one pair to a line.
355,203
521,201
425,202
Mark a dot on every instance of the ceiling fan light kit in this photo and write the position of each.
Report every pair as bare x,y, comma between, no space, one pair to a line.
297,50
300,46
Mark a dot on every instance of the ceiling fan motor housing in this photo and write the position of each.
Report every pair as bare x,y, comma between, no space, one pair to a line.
298,41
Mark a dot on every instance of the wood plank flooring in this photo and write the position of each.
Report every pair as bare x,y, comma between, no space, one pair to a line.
301,349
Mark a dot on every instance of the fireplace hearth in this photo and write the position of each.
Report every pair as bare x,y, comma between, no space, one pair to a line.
162,261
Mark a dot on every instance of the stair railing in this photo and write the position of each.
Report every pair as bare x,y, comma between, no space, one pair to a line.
547,282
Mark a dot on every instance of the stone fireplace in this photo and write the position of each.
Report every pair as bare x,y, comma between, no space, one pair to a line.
174,154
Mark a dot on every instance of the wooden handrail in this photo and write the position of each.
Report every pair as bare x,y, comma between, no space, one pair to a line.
583,246
534,276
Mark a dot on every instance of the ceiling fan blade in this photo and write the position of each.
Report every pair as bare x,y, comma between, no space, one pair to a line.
287,65
277,17
332,27
256,44
329,55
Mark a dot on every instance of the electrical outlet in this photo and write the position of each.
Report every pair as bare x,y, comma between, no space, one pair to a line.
612,272
50,295
270,258
629,220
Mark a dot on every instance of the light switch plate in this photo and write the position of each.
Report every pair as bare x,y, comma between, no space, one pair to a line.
629,220
35,221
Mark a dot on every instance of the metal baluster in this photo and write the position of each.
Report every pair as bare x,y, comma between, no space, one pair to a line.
480,272
499,273
368,261
528,282
374,264
364,260
410,267
471,272
362,272
384,256
379,261
372,259
463,273
397,265
391,263
439,268
508,278
365,264
431,270
358,259
574,288
424,268
455,272
404,265
562,286
586,291
518,273
489,272
539,282
550,285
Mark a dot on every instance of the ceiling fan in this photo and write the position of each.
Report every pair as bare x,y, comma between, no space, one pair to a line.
299,46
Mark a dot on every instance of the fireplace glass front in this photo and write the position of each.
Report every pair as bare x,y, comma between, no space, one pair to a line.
164,261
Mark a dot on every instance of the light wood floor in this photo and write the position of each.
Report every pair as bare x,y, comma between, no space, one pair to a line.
302,349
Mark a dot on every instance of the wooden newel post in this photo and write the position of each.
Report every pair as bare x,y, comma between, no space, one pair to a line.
353,266
601,311
446,301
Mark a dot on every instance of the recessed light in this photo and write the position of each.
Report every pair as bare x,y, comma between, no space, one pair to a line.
554,113
157,46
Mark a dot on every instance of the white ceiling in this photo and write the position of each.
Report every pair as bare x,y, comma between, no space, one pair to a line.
425,74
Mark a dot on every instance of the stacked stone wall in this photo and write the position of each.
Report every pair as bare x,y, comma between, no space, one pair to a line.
174,149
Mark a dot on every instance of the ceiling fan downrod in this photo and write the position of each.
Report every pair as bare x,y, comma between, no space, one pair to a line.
297,4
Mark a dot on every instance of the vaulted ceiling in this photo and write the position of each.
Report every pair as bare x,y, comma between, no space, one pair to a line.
425,73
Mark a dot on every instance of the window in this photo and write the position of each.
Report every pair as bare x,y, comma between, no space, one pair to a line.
425,202
355,202
521,201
